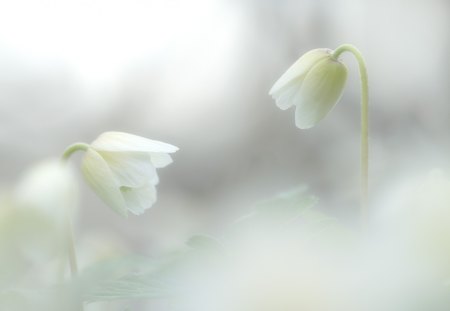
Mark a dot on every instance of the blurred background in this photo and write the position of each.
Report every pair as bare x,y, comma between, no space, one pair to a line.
196,74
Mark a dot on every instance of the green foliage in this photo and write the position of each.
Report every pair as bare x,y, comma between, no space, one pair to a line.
203,242
136,277
131,277
284,207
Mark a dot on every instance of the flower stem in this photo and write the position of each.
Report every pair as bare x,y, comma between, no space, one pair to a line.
72,149
364,125
70,239
71,249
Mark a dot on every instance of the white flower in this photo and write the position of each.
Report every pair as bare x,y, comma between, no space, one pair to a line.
121,169
314,84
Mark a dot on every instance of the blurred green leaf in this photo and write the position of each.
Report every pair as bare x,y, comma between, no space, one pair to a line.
204,242
288,214
51,299
131,277
283,208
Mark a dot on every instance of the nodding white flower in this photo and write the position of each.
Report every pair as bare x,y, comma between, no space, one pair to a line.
313,84
121,169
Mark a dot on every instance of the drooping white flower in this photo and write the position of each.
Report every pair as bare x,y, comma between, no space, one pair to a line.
313,84
121,169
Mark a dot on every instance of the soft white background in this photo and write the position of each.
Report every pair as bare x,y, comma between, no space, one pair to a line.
196,74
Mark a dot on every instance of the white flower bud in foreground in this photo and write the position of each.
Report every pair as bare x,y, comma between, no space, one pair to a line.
121,169
50,187
313,84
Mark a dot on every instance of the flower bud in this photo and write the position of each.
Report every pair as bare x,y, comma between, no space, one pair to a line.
313,84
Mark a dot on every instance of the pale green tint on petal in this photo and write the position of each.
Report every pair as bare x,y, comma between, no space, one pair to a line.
131,169
118,141
160,160
300,68
100,177
321,90
139,199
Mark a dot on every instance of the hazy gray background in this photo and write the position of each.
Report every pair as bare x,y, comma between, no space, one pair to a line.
196,74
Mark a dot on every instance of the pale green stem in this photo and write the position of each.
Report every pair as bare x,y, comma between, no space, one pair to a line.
74,148
364,124
70,240
71,249
71,245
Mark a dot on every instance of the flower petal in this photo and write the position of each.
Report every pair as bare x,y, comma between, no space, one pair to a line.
320,91
285,97
300,68
140,198
160,159
99,176
131,169
118,141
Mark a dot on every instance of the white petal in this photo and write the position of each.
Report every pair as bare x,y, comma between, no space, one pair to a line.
284,97
160,159
139,199
131,169
118,141
155,180
300,68
99,176
321,90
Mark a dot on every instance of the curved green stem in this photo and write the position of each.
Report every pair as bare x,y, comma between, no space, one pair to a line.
364,124
70,239
72,149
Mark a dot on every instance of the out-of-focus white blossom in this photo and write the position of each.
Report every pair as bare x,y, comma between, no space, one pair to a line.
49,186
33,219
274,261
419,219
